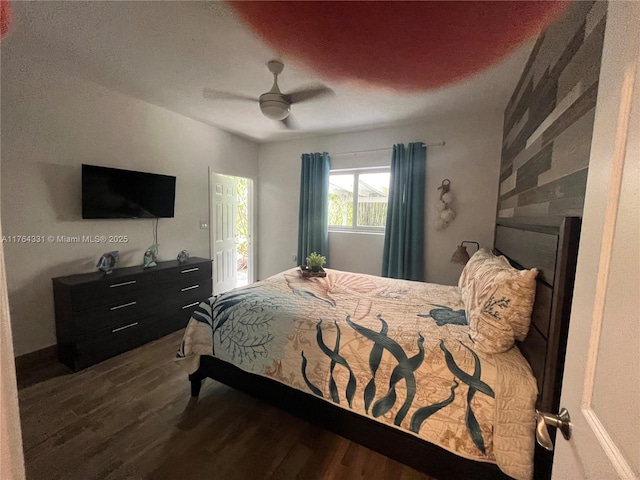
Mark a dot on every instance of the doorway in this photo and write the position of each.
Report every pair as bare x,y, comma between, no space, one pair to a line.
231,231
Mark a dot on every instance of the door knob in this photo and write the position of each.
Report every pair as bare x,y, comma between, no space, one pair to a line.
561,421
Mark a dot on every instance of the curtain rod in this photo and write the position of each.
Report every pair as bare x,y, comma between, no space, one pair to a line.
439,144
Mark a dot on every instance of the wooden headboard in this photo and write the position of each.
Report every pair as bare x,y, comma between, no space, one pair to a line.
553,250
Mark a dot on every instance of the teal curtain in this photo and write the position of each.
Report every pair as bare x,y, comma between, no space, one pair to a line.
313,219
403,254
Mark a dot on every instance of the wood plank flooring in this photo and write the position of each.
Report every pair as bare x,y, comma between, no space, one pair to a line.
132,417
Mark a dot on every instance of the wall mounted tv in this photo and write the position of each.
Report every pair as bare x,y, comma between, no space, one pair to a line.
115,193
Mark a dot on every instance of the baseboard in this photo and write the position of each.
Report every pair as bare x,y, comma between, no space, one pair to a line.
37,359
34,367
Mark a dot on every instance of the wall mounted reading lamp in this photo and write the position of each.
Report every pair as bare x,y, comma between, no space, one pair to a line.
461,255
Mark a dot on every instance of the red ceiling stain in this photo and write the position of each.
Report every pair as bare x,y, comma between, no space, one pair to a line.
408,46
5,17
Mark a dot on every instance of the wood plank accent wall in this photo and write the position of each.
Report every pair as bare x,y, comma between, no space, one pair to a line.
548,122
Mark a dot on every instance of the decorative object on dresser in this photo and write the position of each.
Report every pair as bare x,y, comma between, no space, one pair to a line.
445,214
151,256
100,316
108,261
183,255
461,255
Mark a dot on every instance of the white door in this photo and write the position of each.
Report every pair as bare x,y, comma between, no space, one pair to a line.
11,456
223,235
601,387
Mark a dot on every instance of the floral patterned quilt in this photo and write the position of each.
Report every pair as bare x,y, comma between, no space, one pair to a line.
394,350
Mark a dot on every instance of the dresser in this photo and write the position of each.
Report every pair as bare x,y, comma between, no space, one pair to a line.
101,315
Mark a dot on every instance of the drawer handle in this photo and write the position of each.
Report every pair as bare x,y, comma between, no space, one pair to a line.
190,270
122,306
190,305
122,284
122,328
189,288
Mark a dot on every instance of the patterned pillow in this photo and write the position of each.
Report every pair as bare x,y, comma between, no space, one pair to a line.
498,301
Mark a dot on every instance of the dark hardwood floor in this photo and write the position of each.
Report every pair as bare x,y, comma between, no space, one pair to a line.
132,417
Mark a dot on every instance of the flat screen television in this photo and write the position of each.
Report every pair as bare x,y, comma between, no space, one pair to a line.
115,193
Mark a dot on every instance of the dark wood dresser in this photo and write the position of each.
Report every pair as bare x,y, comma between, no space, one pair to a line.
101,315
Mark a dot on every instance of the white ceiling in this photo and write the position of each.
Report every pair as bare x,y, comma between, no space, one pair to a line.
166,52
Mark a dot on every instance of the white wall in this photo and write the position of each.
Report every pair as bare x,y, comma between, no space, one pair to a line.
51,124
356,252
470,159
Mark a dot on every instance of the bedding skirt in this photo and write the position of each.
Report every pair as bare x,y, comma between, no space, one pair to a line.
392,350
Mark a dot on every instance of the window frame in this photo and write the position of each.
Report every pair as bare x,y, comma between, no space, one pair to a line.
356,184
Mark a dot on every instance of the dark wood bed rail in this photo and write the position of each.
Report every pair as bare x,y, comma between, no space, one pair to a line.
553,250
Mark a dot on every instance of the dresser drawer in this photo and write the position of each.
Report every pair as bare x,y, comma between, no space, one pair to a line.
112,341
181,305
178,314
185,274
109,290
186,305
176,317
179,294
186,284
114,313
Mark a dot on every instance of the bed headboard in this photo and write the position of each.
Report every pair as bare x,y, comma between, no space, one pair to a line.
553,250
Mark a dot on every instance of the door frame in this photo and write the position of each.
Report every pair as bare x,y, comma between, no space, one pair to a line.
252,271
11,450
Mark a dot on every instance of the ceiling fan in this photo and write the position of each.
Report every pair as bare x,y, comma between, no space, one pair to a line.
274,104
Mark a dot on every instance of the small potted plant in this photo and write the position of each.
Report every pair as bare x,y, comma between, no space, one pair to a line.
315,261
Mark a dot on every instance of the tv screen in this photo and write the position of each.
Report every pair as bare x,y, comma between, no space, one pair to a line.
115,193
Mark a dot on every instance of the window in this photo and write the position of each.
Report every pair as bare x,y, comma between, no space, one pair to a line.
358,199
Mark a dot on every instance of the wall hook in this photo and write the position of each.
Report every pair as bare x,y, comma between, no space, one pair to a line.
444,187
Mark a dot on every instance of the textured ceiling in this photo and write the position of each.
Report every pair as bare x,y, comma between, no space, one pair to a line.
166,52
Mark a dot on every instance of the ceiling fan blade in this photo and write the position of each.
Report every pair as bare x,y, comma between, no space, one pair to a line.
308,93
222,95
289,123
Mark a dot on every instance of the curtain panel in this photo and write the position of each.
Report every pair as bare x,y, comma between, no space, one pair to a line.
313,218
403,254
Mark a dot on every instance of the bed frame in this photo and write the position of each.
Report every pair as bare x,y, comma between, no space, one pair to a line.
553,250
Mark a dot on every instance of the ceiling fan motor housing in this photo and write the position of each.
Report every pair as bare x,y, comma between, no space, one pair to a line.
274,106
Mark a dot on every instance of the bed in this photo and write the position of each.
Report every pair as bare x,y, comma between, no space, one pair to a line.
395,365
